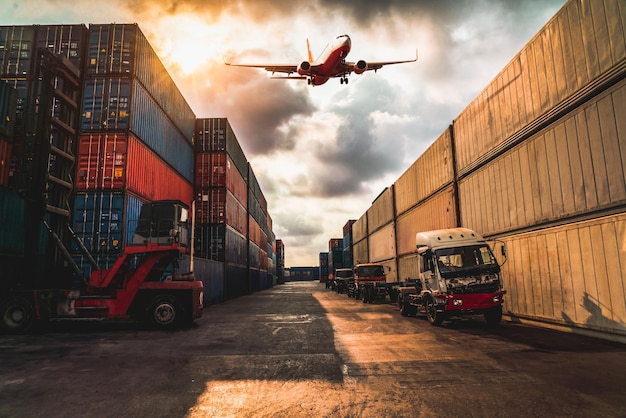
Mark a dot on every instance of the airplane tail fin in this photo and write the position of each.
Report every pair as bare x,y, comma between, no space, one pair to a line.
308,48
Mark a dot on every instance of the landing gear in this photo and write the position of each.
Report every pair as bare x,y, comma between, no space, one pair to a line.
343,80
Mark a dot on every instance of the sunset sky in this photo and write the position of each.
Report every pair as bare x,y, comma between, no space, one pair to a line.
321,154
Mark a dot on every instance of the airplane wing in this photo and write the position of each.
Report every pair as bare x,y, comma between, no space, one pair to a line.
362,66
273,68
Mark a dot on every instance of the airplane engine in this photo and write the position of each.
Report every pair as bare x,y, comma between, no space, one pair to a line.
360,67
304,68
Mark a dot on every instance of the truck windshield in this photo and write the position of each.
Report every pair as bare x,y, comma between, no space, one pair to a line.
343,273
459,259
370,271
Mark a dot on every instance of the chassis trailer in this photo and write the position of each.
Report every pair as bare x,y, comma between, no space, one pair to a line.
140,284
458,275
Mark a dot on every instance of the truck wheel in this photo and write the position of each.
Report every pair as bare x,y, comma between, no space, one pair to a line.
164,312
393,296
405,309
435,318
366,294
18,315
493,316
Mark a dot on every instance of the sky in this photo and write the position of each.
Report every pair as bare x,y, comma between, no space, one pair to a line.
321,154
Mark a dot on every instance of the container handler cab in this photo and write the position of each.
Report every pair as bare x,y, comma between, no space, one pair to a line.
458,275
142,284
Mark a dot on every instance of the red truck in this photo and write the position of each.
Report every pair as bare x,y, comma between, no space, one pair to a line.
140,284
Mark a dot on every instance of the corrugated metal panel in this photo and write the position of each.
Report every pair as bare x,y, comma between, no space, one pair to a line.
218,205
360,252
438,212
116,50
429,173
216,169
256,233
254,256
211,273
359,229
347,228
105,221
257,212
11,222
221,243
583,43
68,41
16,50
382,244
6,149
8,109
408,268
381,211
120,104
237,281
216,134
572,274
120,162
575,166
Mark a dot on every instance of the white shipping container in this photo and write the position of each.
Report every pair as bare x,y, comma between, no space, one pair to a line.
575,166
572,274
359,228
583,45
360,252
381,211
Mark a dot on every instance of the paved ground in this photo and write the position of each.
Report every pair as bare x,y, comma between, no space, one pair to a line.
300,350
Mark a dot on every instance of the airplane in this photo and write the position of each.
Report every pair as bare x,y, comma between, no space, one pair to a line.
330,64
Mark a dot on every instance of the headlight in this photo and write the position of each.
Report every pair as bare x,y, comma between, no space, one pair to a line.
457,302
497,299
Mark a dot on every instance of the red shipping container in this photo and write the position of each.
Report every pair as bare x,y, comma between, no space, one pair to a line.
120,162
217,205
217,169
256,234
5,160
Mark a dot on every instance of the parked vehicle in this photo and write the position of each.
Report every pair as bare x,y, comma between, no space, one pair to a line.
459,275
343,279
142,284
370,281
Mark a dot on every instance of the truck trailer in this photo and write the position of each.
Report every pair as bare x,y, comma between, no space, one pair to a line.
458,275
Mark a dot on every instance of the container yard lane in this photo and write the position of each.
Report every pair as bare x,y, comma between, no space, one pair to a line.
301,350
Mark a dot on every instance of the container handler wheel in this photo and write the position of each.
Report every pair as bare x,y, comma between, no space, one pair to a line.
435,318
17,315
493,316
164,312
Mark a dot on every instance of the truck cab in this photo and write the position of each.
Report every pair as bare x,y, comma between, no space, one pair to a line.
369,281
458,275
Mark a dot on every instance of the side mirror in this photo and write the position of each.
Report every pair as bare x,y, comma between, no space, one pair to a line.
503,251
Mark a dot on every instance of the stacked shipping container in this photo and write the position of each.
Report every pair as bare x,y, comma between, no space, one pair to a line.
537,161
136,139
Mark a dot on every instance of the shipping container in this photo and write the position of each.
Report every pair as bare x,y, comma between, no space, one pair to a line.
382,243
120,162
254,256
335,261
67,41
122,104
571,274
255,188
105,221
257,213
218,205
256,234
122,50
581,49
216,134
16,50
221,243
408,268
347,228
381,212
360,252
211,273
8,111
438,212
335,243
359,228
216,169
6,149
432,171
575,166
236,281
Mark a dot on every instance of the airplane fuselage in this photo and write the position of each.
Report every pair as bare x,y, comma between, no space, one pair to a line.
331,60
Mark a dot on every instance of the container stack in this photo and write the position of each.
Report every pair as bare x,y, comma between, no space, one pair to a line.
280,261
8,101
221,195
259,234
323,269
135,144
335,256
348,261
43,66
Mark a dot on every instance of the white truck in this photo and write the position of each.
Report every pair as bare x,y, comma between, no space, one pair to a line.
458,275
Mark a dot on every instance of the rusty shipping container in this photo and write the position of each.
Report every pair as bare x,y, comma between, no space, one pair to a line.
121,104
438,212
216,169
381,212
581,49
122,50
573,167
216,134
120,162
432,171
256,233
217,205
572,275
